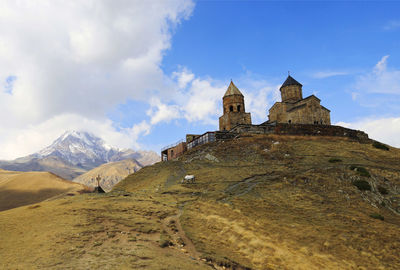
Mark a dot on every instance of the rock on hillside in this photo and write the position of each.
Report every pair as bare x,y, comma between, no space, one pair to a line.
111,173
22,188
74,153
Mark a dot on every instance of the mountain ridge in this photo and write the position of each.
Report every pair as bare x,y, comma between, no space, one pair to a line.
74,153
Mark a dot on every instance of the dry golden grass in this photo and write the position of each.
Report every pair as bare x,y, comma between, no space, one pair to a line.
111,173
22,188
256,203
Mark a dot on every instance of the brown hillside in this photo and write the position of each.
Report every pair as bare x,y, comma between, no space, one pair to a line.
22,188
111,173
259,202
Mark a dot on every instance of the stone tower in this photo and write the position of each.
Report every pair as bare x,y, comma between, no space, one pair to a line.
234,111
291,90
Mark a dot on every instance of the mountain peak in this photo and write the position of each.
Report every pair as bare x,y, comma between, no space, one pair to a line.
80,148
75,152
85,150
85,136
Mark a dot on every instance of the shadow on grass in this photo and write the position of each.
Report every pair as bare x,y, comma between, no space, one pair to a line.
14,198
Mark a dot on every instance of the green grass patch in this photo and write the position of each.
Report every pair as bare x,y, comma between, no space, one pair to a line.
377,216
379,145
362,185
335,160
360,170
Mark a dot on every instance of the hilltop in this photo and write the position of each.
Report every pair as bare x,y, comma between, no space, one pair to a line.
259,202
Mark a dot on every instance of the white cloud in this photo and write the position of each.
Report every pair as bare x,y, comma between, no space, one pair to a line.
160,112
74,61
200,99
190,98
183,77
386,130
259,96
203,99
380,80
327,74
17,142
79,58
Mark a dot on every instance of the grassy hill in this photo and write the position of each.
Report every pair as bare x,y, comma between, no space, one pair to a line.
23,188
259,202
111,173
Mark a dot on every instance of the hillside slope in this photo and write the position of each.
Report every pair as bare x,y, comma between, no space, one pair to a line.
22,188
259,202
111,173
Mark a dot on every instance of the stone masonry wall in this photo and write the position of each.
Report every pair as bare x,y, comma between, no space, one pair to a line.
291,93
302,130
310,112
231,119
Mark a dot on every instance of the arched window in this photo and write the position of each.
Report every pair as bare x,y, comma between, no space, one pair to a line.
290,121
238,108
231,108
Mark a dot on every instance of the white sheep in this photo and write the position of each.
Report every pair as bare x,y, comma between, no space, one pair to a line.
188,179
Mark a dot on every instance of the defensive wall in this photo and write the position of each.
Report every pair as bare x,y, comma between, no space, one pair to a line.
302,130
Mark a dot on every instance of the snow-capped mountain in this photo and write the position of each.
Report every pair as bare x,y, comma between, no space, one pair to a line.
76,152
81,149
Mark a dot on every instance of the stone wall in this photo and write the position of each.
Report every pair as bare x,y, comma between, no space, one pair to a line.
231,119
253,129
321,130
302,130
291,93
224,135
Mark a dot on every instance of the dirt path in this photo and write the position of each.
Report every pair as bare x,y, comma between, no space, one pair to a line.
173,227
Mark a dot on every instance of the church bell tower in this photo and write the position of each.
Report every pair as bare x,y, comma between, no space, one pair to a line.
234,110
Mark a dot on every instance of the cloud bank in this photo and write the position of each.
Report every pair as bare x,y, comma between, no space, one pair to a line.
381,79
386,130
64,64
200,99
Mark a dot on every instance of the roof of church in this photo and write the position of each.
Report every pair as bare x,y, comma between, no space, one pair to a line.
290,81
232,90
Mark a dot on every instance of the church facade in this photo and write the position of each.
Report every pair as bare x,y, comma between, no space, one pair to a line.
294,109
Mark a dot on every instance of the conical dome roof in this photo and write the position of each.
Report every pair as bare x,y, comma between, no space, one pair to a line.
232,90
290,81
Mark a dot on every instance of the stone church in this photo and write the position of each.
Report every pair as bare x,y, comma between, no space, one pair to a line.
294,109
294,115
234,110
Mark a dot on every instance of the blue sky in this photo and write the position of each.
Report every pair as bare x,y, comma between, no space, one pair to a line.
325,45
143,74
